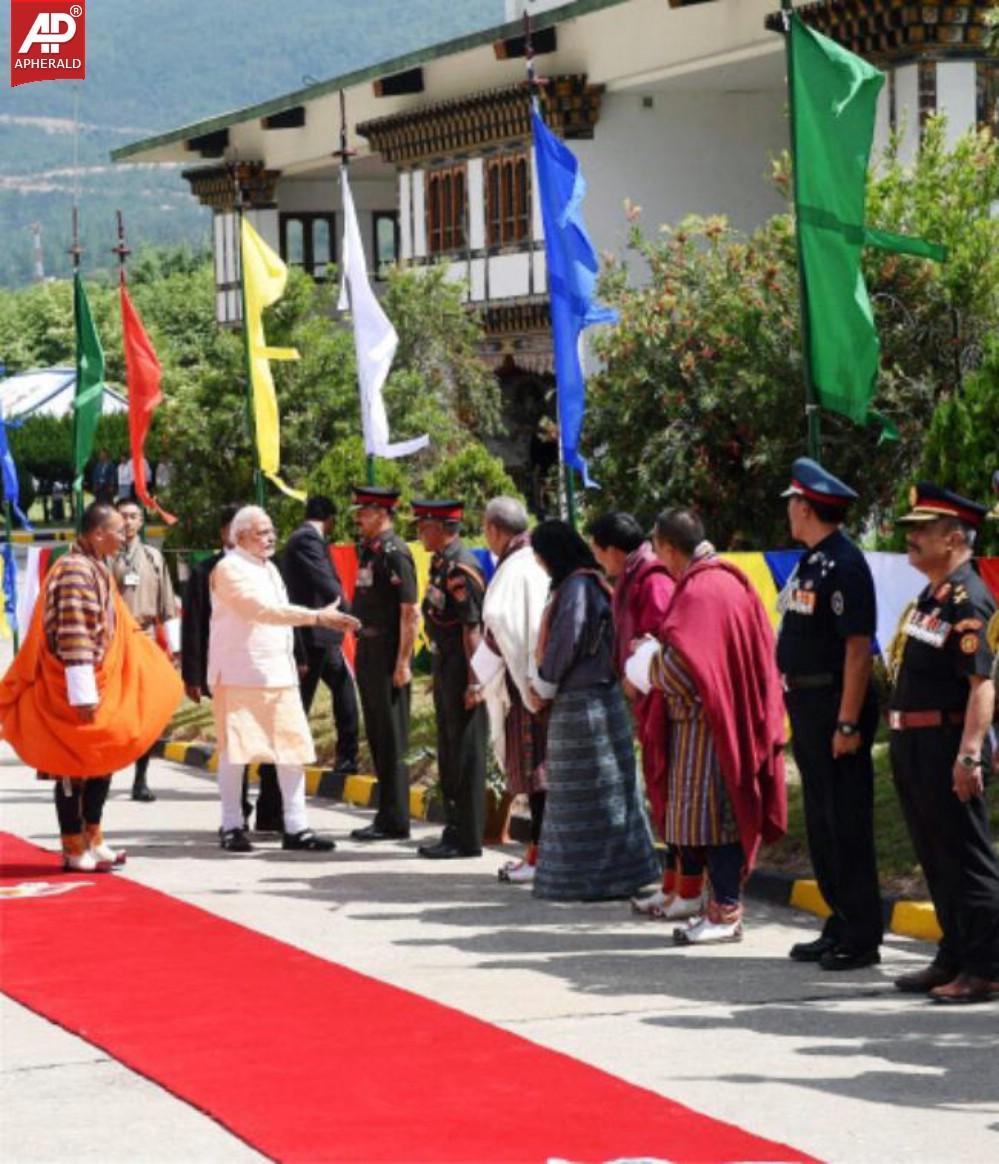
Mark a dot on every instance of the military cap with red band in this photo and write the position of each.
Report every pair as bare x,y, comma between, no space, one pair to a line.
374,497
930,502
438,510
811,481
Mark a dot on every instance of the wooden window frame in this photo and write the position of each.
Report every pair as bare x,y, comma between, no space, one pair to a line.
308,219
507,186
447,208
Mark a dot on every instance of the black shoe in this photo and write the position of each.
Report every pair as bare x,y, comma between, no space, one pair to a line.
811,951
143,792
925,980
235,841
373,833
345,768
307,840
446,850
843,958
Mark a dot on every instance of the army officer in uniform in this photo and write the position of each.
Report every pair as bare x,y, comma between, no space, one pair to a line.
385,601
452,613
824,653
941,709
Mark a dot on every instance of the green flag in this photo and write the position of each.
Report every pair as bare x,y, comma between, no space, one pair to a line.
89,396
834,101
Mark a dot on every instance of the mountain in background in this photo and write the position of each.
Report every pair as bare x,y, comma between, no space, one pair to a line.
153,65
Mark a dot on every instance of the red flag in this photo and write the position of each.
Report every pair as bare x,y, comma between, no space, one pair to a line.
142,370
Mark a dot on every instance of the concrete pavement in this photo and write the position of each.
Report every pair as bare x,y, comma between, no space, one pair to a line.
840,1066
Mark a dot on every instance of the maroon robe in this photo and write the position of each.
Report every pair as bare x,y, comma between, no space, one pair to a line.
718,624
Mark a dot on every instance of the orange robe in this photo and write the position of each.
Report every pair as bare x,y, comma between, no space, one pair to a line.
138,689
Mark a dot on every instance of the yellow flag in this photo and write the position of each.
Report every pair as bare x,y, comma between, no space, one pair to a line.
264,278
755,567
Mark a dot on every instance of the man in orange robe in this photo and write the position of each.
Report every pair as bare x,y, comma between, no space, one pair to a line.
88,693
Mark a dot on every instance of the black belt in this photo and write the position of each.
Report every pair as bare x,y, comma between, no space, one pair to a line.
370,632
810,682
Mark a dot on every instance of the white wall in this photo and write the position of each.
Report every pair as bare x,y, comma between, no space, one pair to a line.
956,97
691,153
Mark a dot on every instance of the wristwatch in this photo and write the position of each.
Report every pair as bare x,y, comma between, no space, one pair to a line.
967,761
845,728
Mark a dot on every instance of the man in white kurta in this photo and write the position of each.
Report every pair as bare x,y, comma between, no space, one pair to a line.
254,680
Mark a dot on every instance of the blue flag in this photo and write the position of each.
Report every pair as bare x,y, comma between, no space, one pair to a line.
572,277
10,585
11,487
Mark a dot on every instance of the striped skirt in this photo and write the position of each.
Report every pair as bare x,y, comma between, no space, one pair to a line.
595,843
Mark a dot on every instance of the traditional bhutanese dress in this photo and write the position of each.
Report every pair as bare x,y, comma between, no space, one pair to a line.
595,841
698,809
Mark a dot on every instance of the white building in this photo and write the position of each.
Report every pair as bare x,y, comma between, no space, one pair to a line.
677,105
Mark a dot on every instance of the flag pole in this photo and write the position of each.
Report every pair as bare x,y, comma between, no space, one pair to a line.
259,488
122,250
812,410
533,87
344,153
75,251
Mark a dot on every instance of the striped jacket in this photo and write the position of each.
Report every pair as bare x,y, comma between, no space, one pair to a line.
78,614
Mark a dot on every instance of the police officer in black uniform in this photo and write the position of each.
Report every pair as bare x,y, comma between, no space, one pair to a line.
452,613
942,705
824,652
385,598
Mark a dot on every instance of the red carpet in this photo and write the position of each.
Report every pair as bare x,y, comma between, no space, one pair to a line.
348,1069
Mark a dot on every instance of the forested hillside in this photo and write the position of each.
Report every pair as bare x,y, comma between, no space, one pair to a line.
156,64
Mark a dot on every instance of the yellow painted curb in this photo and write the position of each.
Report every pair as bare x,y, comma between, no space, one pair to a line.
176,752
358,790
418,803
213,762
805,895
915,919
312,777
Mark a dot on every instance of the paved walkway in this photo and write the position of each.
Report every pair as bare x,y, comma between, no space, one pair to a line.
839,1066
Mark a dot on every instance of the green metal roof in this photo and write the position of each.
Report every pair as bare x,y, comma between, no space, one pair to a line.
359,76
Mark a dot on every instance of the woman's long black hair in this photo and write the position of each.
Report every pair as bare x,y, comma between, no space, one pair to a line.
561,550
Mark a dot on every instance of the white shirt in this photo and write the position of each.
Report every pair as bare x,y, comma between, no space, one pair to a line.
250,642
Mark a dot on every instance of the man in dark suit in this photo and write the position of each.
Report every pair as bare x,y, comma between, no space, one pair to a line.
312,581
197,613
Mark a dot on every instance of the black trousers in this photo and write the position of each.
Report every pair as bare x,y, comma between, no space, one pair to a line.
328,664
386,723
141,768
82,804
461,749
839,815
954,847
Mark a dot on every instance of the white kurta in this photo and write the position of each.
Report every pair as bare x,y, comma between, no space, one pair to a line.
251,664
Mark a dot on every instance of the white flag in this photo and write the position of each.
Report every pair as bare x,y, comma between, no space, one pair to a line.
375,339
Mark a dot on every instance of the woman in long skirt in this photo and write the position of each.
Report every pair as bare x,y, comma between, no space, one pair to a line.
595,841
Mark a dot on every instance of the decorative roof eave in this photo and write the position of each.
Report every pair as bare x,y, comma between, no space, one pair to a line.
494,117
897,31
216,186
423,56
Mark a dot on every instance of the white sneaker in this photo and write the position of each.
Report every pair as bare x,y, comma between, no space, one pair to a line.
679,908
704,931
517,873
86,862
104,852
650,903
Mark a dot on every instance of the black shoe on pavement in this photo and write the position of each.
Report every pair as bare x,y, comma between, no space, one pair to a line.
811,951
143,792
843,958
235,841
308,841
373,833
446,850
345,768
925,980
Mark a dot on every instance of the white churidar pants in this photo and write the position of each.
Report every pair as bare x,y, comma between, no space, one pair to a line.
291,779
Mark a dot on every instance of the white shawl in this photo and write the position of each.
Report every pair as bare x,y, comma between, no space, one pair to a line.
514,603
